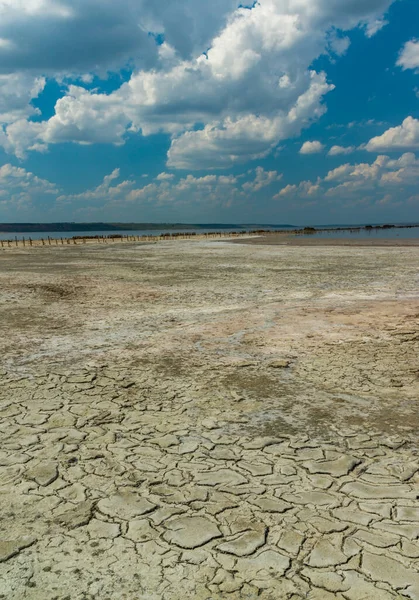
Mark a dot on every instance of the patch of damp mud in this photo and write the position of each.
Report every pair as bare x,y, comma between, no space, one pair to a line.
270,424
254,383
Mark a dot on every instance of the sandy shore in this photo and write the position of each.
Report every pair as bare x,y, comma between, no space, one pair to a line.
209,420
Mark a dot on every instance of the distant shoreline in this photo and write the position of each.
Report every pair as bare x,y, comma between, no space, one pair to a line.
110,227
67,227
80,230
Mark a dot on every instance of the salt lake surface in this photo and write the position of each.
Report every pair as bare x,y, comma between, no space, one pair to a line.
38,235
393,233
373,234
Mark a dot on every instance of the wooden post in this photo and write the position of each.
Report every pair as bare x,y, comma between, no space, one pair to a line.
43,241
16,240
1,243
30,241
49,241
62,241
56,241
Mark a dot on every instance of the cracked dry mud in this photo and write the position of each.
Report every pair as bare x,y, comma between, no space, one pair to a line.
206,420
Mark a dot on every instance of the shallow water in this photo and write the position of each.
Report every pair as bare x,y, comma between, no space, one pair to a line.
38,235
393,233
374,234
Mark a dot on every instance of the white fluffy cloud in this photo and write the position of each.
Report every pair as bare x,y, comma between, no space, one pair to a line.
228,83
248,137
114,195
16,92
262,179
17,177
373,26
409,56
383,178
303,189
382,174
339,150
168,192
165,177
18,188
402,137
311,147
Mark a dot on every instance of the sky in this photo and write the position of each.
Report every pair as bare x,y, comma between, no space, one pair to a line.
278,111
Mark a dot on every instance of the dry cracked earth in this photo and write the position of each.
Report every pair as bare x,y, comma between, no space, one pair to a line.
209,421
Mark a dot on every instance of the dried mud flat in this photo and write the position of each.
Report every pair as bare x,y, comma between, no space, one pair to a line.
206,420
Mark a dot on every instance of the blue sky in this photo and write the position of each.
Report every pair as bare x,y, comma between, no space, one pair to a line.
298,111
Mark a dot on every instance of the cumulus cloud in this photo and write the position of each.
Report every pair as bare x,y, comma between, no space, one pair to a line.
103,34
339,44
311,147
250,137
384,178
409,56
374,26
402,137
383,173
16,92
115,194
228,83
17,177
339,173
165,177
383,182
303,189
262,179
97,194
339,150
18,187
164,190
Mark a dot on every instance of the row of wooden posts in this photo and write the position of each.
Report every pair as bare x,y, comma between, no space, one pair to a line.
57,241
104,239
48,241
